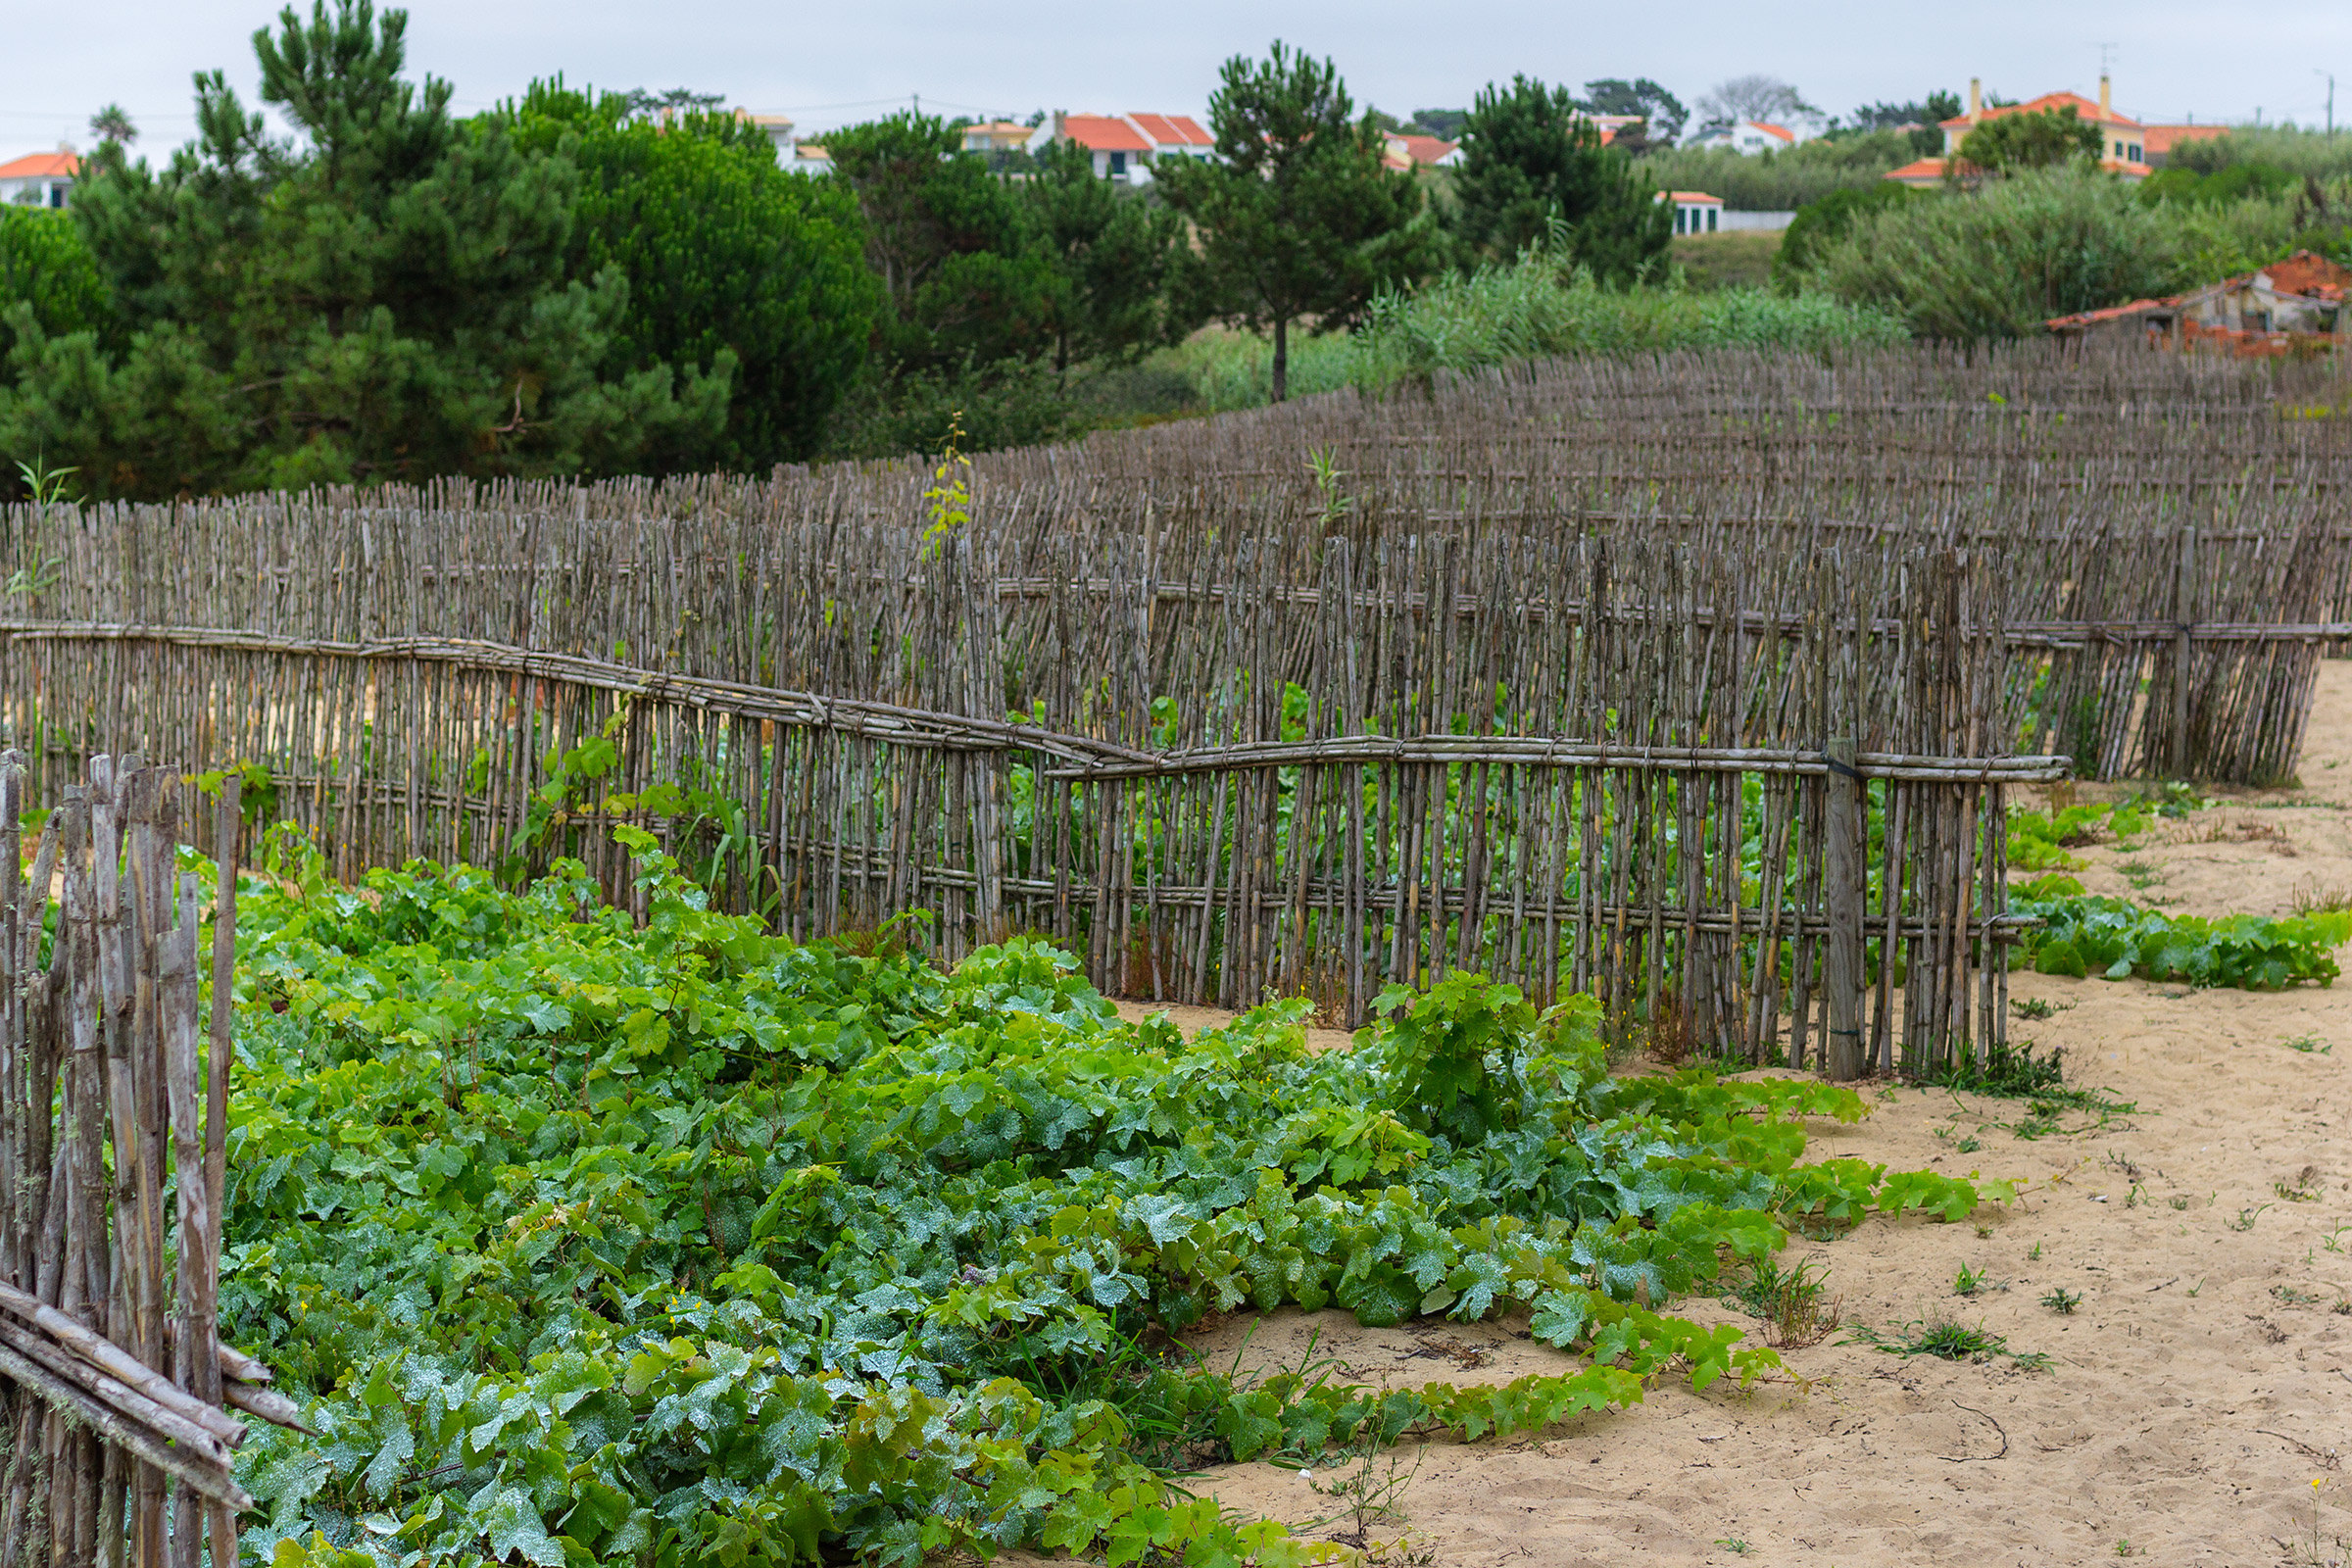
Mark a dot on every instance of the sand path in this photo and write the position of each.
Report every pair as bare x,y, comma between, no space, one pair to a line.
2202,1384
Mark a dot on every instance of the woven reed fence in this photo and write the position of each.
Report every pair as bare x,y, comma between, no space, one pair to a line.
1569,763
115,1389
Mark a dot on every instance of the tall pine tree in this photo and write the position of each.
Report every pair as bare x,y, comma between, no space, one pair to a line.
1531,159
1298,220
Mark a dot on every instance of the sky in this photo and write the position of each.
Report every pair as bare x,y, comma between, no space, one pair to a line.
835,62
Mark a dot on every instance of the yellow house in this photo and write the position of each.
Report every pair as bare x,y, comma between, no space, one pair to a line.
2123,149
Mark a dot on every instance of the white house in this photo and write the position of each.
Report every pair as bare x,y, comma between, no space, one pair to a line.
808,158
1751,136
39,180
779,133
1125,146
1694,210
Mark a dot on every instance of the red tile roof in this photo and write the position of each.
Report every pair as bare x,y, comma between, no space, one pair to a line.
1425,149
2315,276
1099,134
35,165
2158,139
1919,168
1173,131
1782,132
2087,108
1689,198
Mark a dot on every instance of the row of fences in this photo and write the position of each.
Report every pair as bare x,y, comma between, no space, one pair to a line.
1277,703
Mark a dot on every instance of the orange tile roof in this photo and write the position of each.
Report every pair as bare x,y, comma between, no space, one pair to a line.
34,166
1425,149
2087,108
1173,131
2306,274
1919,168
1782,132
2158,139
1689,198
1099,134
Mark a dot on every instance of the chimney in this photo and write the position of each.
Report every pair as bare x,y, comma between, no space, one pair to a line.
1976,97
2106,98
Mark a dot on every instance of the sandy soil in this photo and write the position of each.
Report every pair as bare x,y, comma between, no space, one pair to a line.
2201,1386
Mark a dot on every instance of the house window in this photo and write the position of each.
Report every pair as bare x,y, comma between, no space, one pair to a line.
1711,211
57,195
1118,166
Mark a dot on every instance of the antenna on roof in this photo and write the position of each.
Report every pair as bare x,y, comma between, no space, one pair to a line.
2106,57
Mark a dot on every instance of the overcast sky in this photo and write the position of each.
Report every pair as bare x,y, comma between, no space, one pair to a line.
832,62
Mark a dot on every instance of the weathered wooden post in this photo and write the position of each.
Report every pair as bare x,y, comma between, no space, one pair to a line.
1843,903
2185,614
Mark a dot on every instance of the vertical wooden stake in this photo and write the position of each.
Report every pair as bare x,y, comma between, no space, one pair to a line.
1841,900
2185,602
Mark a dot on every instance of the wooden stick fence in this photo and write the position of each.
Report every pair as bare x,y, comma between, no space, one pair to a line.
1620,788
114,1385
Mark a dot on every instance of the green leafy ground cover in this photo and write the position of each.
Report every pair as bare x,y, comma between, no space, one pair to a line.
2119,939
685,1244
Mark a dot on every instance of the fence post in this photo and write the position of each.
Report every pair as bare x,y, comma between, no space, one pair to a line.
1841,900
2185,612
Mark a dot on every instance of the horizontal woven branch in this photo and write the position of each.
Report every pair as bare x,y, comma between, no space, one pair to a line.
1095,759
1538,751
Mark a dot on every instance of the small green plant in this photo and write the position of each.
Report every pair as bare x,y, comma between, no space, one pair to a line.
1368,1485
2140,873
2063,1302
2194,1288
1948,1339
1792,1301
2178,1203
2295,1298
1968,1281
2035,1256
2335,1238
1733,1545
2310,1044
949,495
2124,1546
1337,505
2037,1008
2295,1192
1968,1144
2246,1217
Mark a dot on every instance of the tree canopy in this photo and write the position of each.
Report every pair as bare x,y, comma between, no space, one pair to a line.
2046,138
383,297
1299,218
1530,160
724,252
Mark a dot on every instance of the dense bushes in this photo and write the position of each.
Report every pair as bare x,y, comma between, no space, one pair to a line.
1779,181
1999,260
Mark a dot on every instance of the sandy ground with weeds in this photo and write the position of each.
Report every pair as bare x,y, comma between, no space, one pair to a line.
2202,1384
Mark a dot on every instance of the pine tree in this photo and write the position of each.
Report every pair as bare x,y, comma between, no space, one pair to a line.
1530,160
724,252
1297,218
383,298
1113,252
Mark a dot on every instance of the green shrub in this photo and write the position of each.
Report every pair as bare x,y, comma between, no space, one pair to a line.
1998,261
1779,181
47,269
1820,224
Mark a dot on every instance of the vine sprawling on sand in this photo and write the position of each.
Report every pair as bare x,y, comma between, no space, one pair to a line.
684,1244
